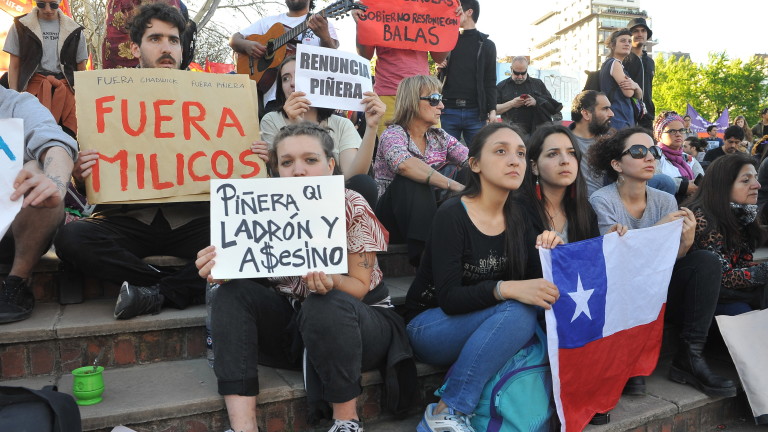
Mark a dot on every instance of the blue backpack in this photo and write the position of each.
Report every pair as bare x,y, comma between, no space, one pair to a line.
519,397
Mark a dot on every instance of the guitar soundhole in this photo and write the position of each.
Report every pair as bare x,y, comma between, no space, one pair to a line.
270,50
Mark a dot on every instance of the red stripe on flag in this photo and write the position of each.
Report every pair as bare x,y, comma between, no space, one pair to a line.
592,377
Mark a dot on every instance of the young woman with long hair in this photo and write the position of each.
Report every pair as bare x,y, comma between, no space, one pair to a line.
476,295
615,82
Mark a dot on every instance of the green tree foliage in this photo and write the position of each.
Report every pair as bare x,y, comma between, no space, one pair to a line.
722,83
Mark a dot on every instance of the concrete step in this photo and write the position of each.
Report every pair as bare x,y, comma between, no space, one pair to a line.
182,396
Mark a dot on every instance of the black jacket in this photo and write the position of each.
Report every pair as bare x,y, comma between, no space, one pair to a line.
486,75
641,70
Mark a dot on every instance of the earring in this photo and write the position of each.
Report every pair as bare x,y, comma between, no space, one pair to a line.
538,189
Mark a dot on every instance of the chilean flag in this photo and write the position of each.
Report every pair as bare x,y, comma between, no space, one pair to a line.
607,325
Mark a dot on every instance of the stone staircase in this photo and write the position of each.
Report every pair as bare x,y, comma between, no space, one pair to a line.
157,377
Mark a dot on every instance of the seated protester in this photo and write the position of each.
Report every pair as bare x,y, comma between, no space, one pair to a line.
734,135
251,319
43,186
477,292
668,129
46,48
695,147
411,154
353,156
629,159
110,246
762,194
726,224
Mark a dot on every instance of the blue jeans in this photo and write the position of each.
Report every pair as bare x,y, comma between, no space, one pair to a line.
663,182
458,120
478,344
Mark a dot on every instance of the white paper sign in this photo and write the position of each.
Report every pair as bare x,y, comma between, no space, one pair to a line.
332,78
11,162
278,227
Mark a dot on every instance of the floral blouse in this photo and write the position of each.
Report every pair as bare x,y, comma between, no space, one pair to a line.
364,234
396,146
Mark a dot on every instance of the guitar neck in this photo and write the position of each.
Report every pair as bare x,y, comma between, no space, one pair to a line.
292,33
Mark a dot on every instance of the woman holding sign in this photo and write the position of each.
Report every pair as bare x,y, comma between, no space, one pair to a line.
474,300
629,159
255,321
416,164
353,156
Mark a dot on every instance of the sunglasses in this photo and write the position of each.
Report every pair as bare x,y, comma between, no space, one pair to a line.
639,151
434,99
520,73
675,131
41,5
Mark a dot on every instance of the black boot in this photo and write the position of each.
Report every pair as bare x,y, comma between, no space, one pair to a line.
635,386
690,367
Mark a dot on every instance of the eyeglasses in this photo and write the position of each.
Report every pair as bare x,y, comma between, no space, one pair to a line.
675,131
434,99
53,5
520,73
639,151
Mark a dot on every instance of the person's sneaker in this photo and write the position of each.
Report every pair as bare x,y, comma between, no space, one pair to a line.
138,300
16,300
346,426
446,421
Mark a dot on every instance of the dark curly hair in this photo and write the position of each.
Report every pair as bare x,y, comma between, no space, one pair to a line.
158,11
602,153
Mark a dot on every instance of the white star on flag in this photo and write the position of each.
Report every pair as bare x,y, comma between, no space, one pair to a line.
581,298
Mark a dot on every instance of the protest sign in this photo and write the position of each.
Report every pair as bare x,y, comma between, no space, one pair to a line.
407,24
163,134
278,227
11,162
332,78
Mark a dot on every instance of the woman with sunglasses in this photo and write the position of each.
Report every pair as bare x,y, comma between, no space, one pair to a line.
346,321
353,156
669,131
411,161
33,64
629,159
475,298
615,82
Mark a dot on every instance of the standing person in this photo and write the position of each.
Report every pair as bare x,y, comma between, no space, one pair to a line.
712,139
46,47
346,321
615,82
320,33
475,298
469,79
410,162
734,135
726,224
741,122
687,124
629,159
668,130
591,114
761,128
524,100
42,184
641,67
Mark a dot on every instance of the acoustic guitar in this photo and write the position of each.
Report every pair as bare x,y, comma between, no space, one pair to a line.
263,70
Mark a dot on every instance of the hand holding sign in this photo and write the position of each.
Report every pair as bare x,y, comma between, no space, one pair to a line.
37,189
11,161
374,109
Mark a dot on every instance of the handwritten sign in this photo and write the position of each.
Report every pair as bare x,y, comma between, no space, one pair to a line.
11,162
164,134
332,78
278,227
420,25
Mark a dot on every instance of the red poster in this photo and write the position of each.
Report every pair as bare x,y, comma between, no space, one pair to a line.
421,25
16,7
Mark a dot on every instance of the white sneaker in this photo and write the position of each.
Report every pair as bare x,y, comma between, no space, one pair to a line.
346,426
446,421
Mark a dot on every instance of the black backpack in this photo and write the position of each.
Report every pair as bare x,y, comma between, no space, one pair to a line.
44,410
593,81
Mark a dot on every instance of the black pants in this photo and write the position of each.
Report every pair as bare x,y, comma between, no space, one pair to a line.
365,185
112,248
406,210
252,324
693,294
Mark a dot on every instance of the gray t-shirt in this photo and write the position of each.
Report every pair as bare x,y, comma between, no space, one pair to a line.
610,210
594,181
50,61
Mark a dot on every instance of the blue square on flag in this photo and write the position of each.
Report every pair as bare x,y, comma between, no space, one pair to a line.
579,273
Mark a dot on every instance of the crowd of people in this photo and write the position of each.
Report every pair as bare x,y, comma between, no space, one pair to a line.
472,198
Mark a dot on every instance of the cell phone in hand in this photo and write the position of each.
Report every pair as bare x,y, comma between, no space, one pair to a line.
524,96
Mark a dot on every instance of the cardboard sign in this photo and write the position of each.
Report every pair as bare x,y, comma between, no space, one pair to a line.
278,227
332,78
164,134
11,162
423,25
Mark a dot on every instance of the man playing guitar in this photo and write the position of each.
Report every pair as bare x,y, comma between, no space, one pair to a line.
319,32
